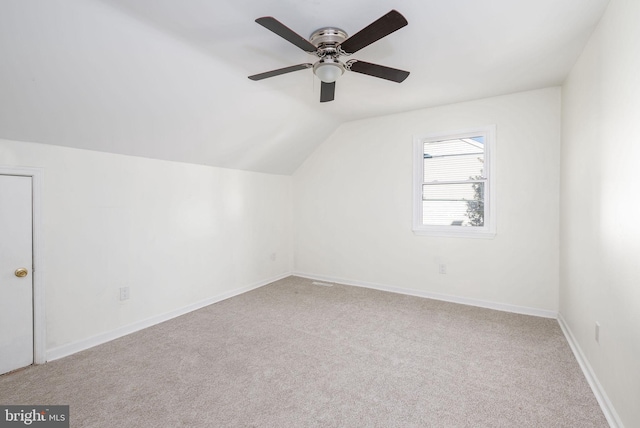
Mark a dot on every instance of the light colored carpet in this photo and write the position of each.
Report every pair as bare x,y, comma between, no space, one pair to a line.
293,354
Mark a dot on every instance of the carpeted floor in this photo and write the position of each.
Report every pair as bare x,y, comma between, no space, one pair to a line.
293,354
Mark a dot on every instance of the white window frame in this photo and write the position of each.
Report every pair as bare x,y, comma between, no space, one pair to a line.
489,228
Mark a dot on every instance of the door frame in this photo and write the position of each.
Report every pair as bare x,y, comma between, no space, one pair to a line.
37,272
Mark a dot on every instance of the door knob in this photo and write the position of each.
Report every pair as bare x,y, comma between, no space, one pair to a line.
21,272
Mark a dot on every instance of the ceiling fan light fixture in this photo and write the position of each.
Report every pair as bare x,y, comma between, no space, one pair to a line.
328,71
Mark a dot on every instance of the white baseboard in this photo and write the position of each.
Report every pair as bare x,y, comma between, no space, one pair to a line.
436,296
605,404
81,345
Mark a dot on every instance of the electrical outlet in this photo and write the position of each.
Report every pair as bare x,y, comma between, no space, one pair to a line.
442,269
124,293
598,332
273,257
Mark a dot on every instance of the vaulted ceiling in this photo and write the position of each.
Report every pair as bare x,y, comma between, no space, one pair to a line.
167,79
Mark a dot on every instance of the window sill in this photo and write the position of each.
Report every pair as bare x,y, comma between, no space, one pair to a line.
474,234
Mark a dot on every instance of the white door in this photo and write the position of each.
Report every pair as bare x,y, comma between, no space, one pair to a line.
16,278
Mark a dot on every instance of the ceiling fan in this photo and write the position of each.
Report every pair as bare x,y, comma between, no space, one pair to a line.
329,44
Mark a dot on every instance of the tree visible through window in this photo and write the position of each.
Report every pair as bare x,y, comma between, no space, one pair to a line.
453,182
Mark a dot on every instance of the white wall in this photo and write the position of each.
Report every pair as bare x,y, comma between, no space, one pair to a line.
353,207
176,234
600,210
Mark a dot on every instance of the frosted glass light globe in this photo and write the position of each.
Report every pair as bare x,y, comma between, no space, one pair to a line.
328,72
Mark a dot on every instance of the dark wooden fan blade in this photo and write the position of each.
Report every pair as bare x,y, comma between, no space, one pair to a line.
270,23
280,71
378,29
327,91
380,71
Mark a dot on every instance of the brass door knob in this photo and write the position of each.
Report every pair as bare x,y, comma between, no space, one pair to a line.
21,272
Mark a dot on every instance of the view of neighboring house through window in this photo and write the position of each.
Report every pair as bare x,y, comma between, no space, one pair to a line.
452,188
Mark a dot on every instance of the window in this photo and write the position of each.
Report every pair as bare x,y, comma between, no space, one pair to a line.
453,184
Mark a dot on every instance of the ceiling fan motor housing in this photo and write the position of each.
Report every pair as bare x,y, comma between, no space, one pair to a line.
327,40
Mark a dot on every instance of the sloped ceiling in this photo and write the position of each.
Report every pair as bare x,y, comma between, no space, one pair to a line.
167,79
